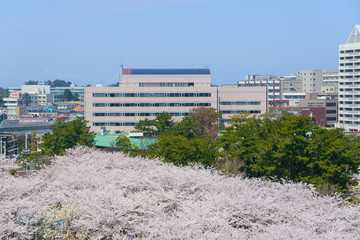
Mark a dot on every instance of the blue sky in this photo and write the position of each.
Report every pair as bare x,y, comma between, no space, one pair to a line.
85,41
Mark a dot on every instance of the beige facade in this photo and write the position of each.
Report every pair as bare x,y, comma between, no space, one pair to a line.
312,80
145,93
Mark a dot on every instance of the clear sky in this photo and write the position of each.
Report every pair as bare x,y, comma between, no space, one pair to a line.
86,41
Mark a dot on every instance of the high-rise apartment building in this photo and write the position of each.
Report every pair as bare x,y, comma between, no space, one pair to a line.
349,82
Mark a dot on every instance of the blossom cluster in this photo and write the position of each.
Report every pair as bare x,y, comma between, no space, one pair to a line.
115,196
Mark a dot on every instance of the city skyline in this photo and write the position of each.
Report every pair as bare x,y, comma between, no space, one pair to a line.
87,42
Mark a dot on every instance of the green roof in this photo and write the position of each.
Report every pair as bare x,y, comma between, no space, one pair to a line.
109,141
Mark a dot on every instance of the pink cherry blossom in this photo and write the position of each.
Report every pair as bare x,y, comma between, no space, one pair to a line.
93,194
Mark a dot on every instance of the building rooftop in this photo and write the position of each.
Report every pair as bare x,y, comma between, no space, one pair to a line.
109,141
355,35
191,71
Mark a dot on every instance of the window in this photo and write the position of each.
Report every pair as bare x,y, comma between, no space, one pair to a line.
331,119
330,104
330,111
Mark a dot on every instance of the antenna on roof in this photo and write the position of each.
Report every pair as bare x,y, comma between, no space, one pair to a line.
121,70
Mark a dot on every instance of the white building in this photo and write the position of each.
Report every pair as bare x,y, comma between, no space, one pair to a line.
349,82
270,81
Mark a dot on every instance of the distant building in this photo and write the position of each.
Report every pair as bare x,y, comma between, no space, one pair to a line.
59,92
14,105
290,84
349,82
294,98
145,93
312,81
270,81
317,114
327,100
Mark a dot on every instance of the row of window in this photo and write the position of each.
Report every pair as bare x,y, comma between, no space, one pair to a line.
350,115
350,109
349,102
350,96
350,122
241,103
137,114
349,83
241,111
311,74
349,57
349,64
187,104
350,70
350,51
311,104
349,89
151,94
102,124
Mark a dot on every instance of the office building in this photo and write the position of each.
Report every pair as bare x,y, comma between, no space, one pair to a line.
145,93
270,81
312,81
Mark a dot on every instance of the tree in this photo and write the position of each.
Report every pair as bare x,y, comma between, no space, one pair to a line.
66,135
161,124
26,98
123,144
290,147
75,97
60,83
190,141
4,93
31,82
67,96
89,194
146,126
182,151
201,121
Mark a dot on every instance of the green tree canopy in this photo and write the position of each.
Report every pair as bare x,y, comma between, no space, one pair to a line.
123,144
67,96
67,135
290,147
76,97
162,123
26,98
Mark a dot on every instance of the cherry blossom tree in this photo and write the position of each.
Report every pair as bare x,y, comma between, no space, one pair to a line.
88,194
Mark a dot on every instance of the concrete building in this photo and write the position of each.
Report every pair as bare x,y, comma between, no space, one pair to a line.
349,82
145,93
327,100
294,98
14,105
312,81
330,81
59,92
290,84
270,81
317,114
